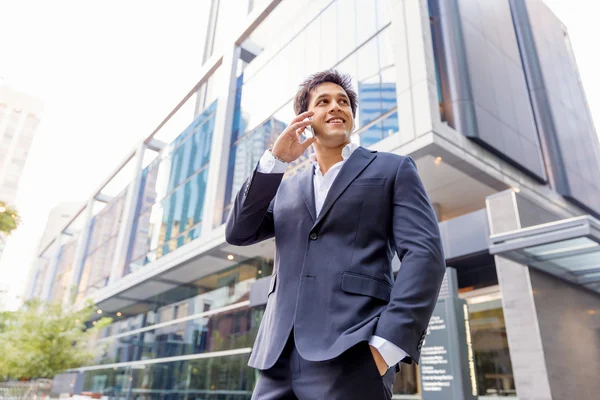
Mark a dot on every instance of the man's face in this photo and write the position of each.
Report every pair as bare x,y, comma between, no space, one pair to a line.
332,122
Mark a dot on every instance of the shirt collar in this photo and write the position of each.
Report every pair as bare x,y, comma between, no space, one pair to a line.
346,153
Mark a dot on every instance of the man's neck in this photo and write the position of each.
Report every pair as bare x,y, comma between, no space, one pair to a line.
327,157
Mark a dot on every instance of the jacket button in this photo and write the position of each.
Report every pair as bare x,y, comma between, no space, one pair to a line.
313,236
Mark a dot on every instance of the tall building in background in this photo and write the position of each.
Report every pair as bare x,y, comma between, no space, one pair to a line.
485,96
58,217
19,118
39,280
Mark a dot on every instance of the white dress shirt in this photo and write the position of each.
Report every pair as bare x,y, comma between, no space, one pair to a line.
268,164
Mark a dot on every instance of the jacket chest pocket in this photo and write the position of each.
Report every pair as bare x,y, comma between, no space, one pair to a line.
369,181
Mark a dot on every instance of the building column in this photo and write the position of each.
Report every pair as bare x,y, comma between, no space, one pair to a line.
82,242
125,235
50,275
219,154
31,280
522,326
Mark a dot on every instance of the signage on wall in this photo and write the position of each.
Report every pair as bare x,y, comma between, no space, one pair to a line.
447,366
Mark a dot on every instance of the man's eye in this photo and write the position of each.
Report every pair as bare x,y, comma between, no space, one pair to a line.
322,101
343,101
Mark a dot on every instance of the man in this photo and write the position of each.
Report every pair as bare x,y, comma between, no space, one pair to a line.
336,323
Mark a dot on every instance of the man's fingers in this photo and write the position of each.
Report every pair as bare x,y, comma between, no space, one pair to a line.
295,126
303,115
306,144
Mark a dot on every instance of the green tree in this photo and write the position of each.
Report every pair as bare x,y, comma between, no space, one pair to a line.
9,218
42,340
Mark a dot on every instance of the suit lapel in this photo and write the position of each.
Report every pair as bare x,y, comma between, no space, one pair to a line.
358,161
307,190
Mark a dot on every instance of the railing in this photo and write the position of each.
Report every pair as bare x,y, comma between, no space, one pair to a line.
34,390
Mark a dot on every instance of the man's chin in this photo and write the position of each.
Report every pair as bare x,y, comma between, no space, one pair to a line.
333,139
335,134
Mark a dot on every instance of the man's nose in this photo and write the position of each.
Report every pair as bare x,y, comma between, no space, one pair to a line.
334,106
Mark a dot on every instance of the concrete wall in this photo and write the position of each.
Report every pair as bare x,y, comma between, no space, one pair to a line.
569,323
553,326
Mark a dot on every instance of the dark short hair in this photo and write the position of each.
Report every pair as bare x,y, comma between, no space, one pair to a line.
343,80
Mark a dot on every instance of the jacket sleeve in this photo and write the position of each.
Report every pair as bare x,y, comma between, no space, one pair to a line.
417,240
251,219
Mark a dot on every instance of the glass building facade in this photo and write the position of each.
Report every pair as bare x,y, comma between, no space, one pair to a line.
154,256
104,230
171,199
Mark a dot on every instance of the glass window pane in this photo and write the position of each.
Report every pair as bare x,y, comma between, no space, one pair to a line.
366,16
164,223
554,249
220,289
368,61
214,378
329,43
346,27
384,44
492,357
383,13
312,48
102,246
579,262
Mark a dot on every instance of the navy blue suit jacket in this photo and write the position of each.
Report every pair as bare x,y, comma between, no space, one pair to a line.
332,281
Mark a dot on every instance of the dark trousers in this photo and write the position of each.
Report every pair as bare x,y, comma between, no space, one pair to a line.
351,376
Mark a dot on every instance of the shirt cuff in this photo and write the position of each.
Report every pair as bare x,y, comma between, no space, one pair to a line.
391,353
268,164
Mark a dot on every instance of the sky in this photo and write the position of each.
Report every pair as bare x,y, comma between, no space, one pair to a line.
109,72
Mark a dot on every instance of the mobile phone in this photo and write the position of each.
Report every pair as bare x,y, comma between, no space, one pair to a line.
308,131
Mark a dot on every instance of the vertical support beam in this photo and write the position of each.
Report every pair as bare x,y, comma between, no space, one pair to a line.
520,314
51,274
221,142
32,279
81,248
125,235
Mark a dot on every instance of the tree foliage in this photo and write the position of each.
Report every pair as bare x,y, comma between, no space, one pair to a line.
42,340
9,218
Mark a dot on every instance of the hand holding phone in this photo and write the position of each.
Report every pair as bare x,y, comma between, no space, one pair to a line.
308,130
288,146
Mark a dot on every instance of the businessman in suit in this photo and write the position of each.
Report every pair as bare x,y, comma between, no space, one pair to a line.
337,324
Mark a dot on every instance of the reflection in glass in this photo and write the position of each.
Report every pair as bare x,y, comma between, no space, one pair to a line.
267,84
227,330
211,292
555,249
407,380
42,270
104,231
216,378
171,200
579,262
64,271
490,345
322,40
376,89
